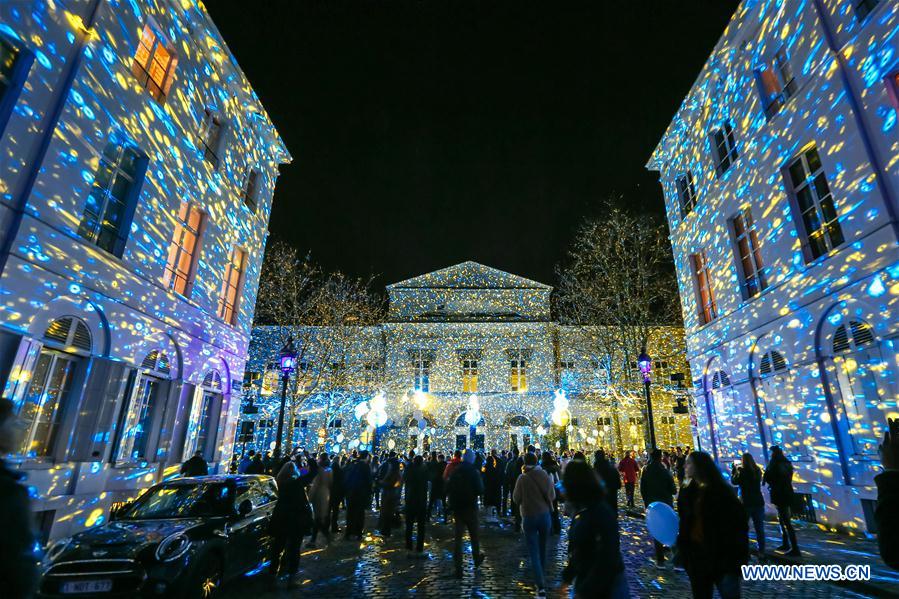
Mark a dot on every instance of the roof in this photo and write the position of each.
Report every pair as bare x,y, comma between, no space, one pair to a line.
468,275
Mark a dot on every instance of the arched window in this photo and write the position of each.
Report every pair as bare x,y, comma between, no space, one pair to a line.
519,420
205,417
722,403
863,378
142,413
41,409
783,413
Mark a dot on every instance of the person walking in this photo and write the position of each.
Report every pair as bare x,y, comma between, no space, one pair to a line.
416,505
748,477
245,461
713,536
291,520
436,466
493,485
535,493
657,484
257,466
886,514
513,471
463,488
629,468
390,480
320,497
18,563
195,466
779,478
337,493
680,459
358,487
553,469
595,566
610,478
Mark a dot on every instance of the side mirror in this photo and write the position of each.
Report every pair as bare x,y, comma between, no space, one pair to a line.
245,507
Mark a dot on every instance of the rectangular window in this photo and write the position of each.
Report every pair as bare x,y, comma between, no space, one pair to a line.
154,64
41,410
725,148
705,298
686,193
749,257
373,372
776,82
469,376
422,374
518,373
183,251
567,375
820,226
107,215
8,56
210,136
864,7
892,82
250,189
231,286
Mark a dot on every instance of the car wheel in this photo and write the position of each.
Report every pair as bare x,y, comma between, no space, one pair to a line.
208,580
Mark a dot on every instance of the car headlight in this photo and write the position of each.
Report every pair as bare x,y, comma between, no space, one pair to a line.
172,547
57,549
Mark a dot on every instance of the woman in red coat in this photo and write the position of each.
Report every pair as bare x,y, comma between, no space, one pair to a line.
629,469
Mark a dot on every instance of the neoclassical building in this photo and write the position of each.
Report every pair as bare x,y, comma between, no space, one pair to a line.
137,168
457,333
781,185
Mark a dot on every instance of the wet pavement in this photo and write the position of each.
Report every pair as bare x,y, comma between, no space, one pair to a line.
378,567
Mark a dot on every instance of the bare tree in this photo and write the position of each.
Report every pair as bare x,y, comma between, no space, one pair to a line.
322,313
617,284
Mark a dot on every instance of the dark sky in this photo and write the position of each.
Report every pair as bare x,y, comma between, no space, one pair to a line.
429,132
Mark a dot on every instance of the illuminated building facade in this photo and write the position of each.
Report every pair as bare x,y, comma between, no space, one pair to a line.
781,182
463,332
137,168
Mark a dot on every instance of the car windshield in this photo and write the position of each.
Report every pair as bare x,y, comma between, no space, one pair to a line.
182,501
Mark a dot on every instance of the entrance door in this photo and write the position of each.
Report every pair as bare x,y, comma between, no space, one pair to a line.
461,441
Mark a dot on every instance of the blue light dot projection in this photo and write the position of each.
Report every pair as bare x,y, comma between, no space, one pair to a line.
808,362
517,359
82,63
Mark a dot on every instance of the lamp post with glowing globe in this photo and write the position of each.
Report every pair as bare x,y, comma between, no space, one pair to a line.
288,359
644,362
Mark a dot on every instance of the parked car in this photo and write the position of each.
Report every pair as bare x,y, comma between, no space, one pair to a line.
181,538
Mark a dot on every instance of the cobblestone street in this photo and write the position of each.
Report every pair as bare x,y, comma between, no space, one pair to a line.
381,568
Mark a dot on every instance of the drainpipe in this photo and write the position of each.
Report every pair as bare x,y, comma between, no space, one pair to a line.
51,120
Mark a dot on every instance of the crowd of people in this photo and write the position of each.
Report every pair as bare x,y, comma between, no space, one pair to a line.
533,491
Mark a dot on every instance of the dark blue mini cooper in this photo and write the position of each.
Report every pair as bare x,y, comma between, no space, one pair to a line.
181,538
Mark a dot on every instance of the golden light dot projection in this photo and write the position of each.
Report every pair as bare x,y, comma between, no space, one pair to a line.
468,356
114,115
790,136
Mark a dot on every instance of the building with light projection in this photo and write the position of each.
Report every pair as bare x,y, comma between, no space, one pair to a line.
468,356
781,185
137,168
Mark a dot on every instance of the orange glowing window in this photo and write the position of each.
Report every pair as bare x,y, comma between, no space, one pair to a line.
708,308
183,252
231,285
892,82
154,64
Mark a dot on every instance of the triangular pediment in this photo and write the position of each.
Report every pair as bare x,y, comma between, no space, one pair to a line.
468,275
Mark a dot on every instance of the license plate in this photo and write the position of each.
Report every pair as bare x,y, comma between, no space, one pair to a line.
87,586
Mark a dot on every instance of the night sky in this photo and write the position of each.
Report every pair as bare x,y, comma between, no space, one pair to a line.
429,132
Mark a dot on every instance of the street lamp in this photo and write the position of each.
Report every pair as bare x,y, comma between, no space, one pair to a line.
288,359
375,415
644,362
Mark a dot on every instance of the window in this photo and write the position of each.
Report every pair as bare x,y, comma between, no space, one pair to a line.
567,375
686,193
205,417
864,7
725,148
231,286
705,297
892,82
107,214
373,372
141,408
783,406
210,136
154,64
421,367
250,189
518,375
749,257
9,54
865,384
776,83
40,411
182,258
469,376
819,223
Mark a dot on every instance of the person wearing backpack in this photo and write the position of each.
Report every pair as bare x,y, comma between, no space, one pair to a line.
463,489
534,495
